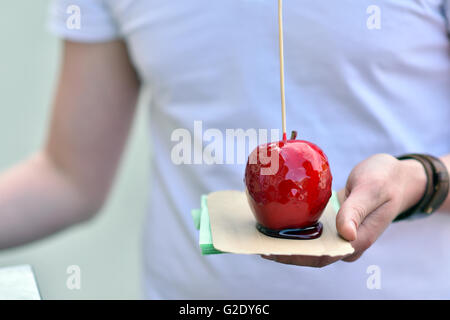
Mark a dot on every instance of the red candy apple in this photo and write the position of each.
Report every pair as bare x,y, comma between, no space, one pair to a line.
295,193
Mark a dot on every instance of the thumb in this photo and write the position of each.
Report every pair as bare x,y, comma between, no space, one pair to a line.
361,201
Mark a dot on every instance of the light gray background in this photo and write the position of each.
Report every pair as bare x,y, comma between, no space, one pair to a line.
107,249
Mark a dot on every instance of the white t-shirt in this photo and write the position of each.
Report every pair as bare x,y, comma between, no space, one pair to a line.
351,88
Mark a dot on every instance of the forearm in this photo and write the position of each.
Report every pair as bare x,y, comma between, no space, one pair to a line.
37,199
70,179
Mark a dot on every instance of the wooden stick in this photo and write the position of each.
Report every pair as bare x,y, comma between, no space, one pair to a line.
283,101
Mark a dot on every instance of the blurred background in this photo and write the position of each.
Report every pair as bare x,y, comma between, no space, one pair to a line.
108,248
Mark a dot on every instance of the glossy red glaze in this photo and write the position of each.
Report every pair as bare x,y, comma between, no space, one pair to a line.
296,195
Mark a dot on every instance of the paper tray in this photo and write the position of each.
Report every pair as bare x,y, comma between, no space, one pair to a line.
227,225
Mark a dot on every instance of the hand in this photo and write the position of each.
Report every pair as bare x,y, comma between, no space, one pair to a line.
377,190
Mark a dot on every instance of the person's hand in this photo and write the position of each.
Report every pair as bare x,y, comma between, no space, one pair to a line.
377,190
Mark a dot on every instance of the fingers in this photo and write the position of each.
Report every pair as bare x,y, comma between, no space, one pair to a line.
305,261
369,231
362,200
365,239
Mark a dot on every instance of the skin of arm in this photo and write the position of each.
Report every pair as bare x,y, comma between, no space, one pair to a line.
377,190
68,180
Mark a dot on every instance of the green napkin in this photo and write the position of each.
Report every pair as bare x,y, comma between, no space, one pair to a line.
201,222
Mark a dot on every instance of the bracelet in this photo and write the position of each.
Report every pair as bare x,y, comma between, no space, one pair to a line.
437,185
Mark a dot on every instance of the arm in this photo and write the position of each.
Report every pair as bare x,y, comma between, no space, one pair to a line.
377,190
68,180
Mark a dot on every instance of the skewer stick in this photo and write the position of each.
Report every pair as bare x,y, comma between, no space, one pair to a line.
283,101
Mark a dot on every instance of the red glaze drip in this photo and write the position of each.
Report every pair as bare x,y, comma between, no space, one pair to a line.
296,195
284,137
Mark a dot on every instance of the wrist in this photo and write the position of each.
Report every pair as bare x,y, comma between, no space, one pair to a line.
414,182
436,190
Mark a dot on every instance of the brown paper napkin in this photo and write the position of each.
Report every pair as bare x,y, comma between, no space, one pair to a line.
233,230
